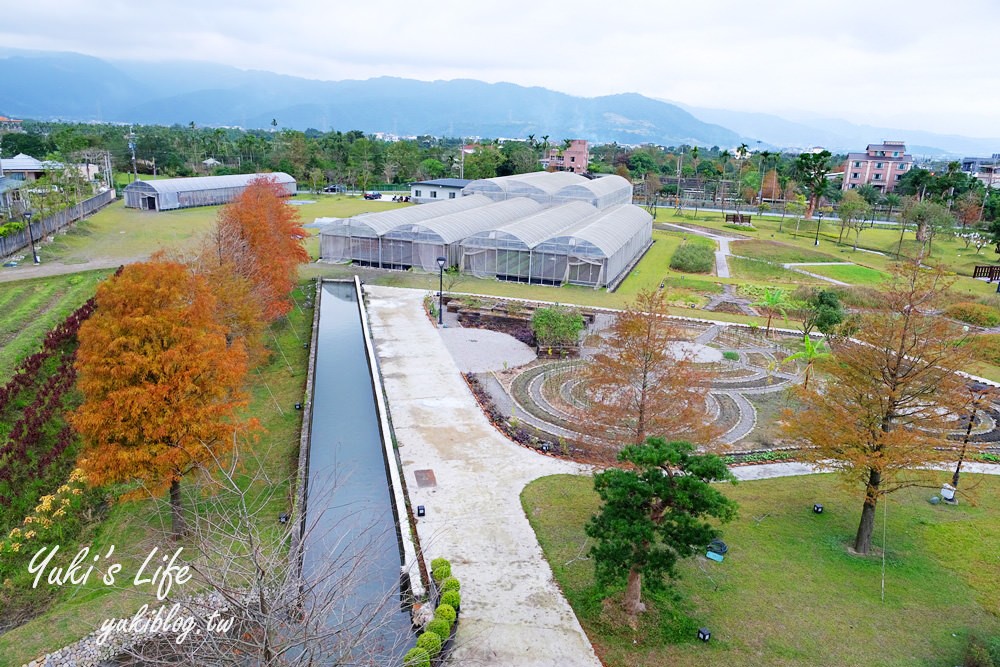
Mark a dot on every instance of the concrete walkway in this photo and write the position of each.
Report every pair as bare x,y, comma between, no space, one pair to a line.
513,614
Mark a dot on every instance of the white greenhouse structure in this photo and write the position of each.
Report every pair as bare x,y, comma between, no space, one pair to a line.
359,239
555,188
173,193
572,243
541,228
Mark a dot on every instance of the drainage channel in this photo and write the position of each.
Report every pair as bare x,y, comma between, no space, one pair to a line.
352,551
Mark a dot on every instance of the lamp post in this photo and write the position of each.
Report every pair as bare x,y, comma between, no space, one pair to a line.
977,392
441,262
819,221
34,252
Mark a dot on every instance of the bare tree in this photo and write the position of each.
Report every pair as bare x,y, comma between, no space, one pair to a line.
259,601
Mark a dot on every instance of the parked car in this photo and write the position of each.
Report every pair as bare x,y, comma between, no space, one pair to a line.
335,188
373,195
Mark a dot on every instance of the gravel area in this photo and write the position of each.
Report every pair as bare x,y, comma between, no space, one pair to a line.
481,350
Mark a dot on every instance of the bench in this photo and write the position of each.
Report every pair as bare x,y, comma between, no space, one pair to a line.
738,218
990,272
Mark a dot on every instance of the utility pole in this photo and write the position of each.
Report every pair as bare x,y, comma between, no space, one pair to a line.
131,147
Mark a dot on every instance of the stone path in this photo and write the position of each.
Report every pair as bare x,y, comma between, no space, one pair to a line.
729,296
513,614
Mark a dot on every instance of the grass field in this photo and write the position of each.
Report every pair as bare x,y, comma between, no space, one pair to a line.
31,307
788,592
754,271
852,274
779,253
136,527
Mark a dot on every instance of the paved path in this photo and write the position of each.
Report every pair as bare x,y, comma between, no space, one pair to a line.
513,614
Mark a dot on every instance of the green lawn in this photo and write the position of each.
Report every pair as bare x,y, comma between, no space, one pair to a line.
852,274
788,592
32,307
754,271
136,527
778,252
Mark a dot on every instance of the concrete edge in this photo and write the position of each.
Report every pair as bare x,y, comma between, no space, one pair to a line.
410,567
302,477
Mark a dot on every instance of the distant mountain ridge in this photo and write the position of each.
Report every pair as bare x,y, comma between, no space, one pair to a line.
70,86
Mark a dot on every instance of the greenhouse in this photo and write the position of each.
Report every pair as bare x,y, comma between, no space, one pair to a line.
419,245
172,193
602,192
506,252
597,251
359,239
555,188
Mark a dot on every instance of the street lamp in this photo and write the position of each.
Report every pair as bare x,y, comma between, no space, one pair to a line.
977,392
27,220
819,221
441,262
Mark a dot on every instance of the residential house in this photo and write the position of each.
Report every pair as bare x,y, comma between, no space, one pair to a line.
881,166
437,189
574,158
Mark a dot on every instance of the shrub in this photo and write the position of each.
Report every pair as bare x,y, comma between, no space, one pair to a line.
441,572
417,657
974,313
453,598
451,584
732,356
440,627
693,258
556,326
430,642
447,612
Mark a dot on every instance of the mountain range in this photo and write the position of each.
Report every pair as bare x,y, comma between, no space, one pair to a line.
74,87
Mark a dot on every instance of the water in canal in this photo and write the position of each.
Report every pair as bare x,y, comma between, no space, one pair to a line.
351,544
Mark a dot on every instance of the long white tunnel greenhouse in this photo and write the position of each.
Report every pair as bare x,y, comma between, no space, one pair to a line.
543,228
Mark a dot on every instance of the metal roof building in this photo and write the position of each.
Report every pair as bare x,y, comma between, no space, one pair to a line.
172,193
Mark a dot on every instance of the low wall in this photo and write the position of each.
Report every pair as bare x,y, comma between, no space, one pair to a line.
12,243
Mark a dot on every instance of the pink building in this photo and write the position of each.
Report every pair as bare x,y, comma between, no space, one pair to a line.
575,158
881,165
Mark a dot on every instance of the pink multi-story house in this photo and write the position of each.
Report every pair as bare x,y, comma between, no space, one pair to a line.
881,165
575,158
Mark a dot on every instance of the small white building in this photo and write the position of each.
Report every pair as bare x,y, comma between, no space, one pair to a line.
437,189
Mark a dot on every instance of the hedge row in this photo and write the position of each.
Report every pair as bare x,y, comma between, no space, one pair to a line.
430,642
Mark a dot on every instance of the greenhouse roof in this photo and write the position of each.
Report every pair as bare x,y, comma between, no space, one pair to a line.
381,222
165,185
536,182
536,228
596,187
607,231
457,226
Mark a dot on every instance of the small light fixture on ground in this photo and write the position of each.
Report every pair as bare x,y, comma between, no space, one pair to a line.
283,517
818,508
704,634
441,262
421,511
298,406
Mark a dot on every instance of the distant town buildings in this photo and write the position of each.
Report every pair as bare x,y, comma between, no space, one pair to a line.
986,169
881,166
574,158
10,124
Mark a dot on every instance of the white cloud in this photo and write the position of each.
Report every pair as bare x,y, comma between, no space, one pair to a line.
914,63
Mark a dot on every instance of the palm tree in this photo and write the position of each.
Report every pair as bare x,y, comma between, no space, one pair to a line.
694,160
741,155
811,353
764,155
724,159
892,200
774,301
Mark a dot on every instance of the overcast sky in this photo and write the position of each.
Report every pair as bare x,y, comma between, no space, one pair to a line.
910,64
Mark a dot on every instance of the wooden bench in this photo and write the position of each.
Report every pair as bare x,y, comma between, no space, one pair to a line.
738,218
990,272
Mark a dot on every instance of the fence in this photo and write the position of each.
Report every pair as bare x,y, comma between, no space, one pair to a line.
11,243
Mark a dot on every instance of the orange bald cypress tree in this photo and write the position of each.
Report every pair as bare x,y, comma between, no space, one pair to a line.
160,381
260,237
